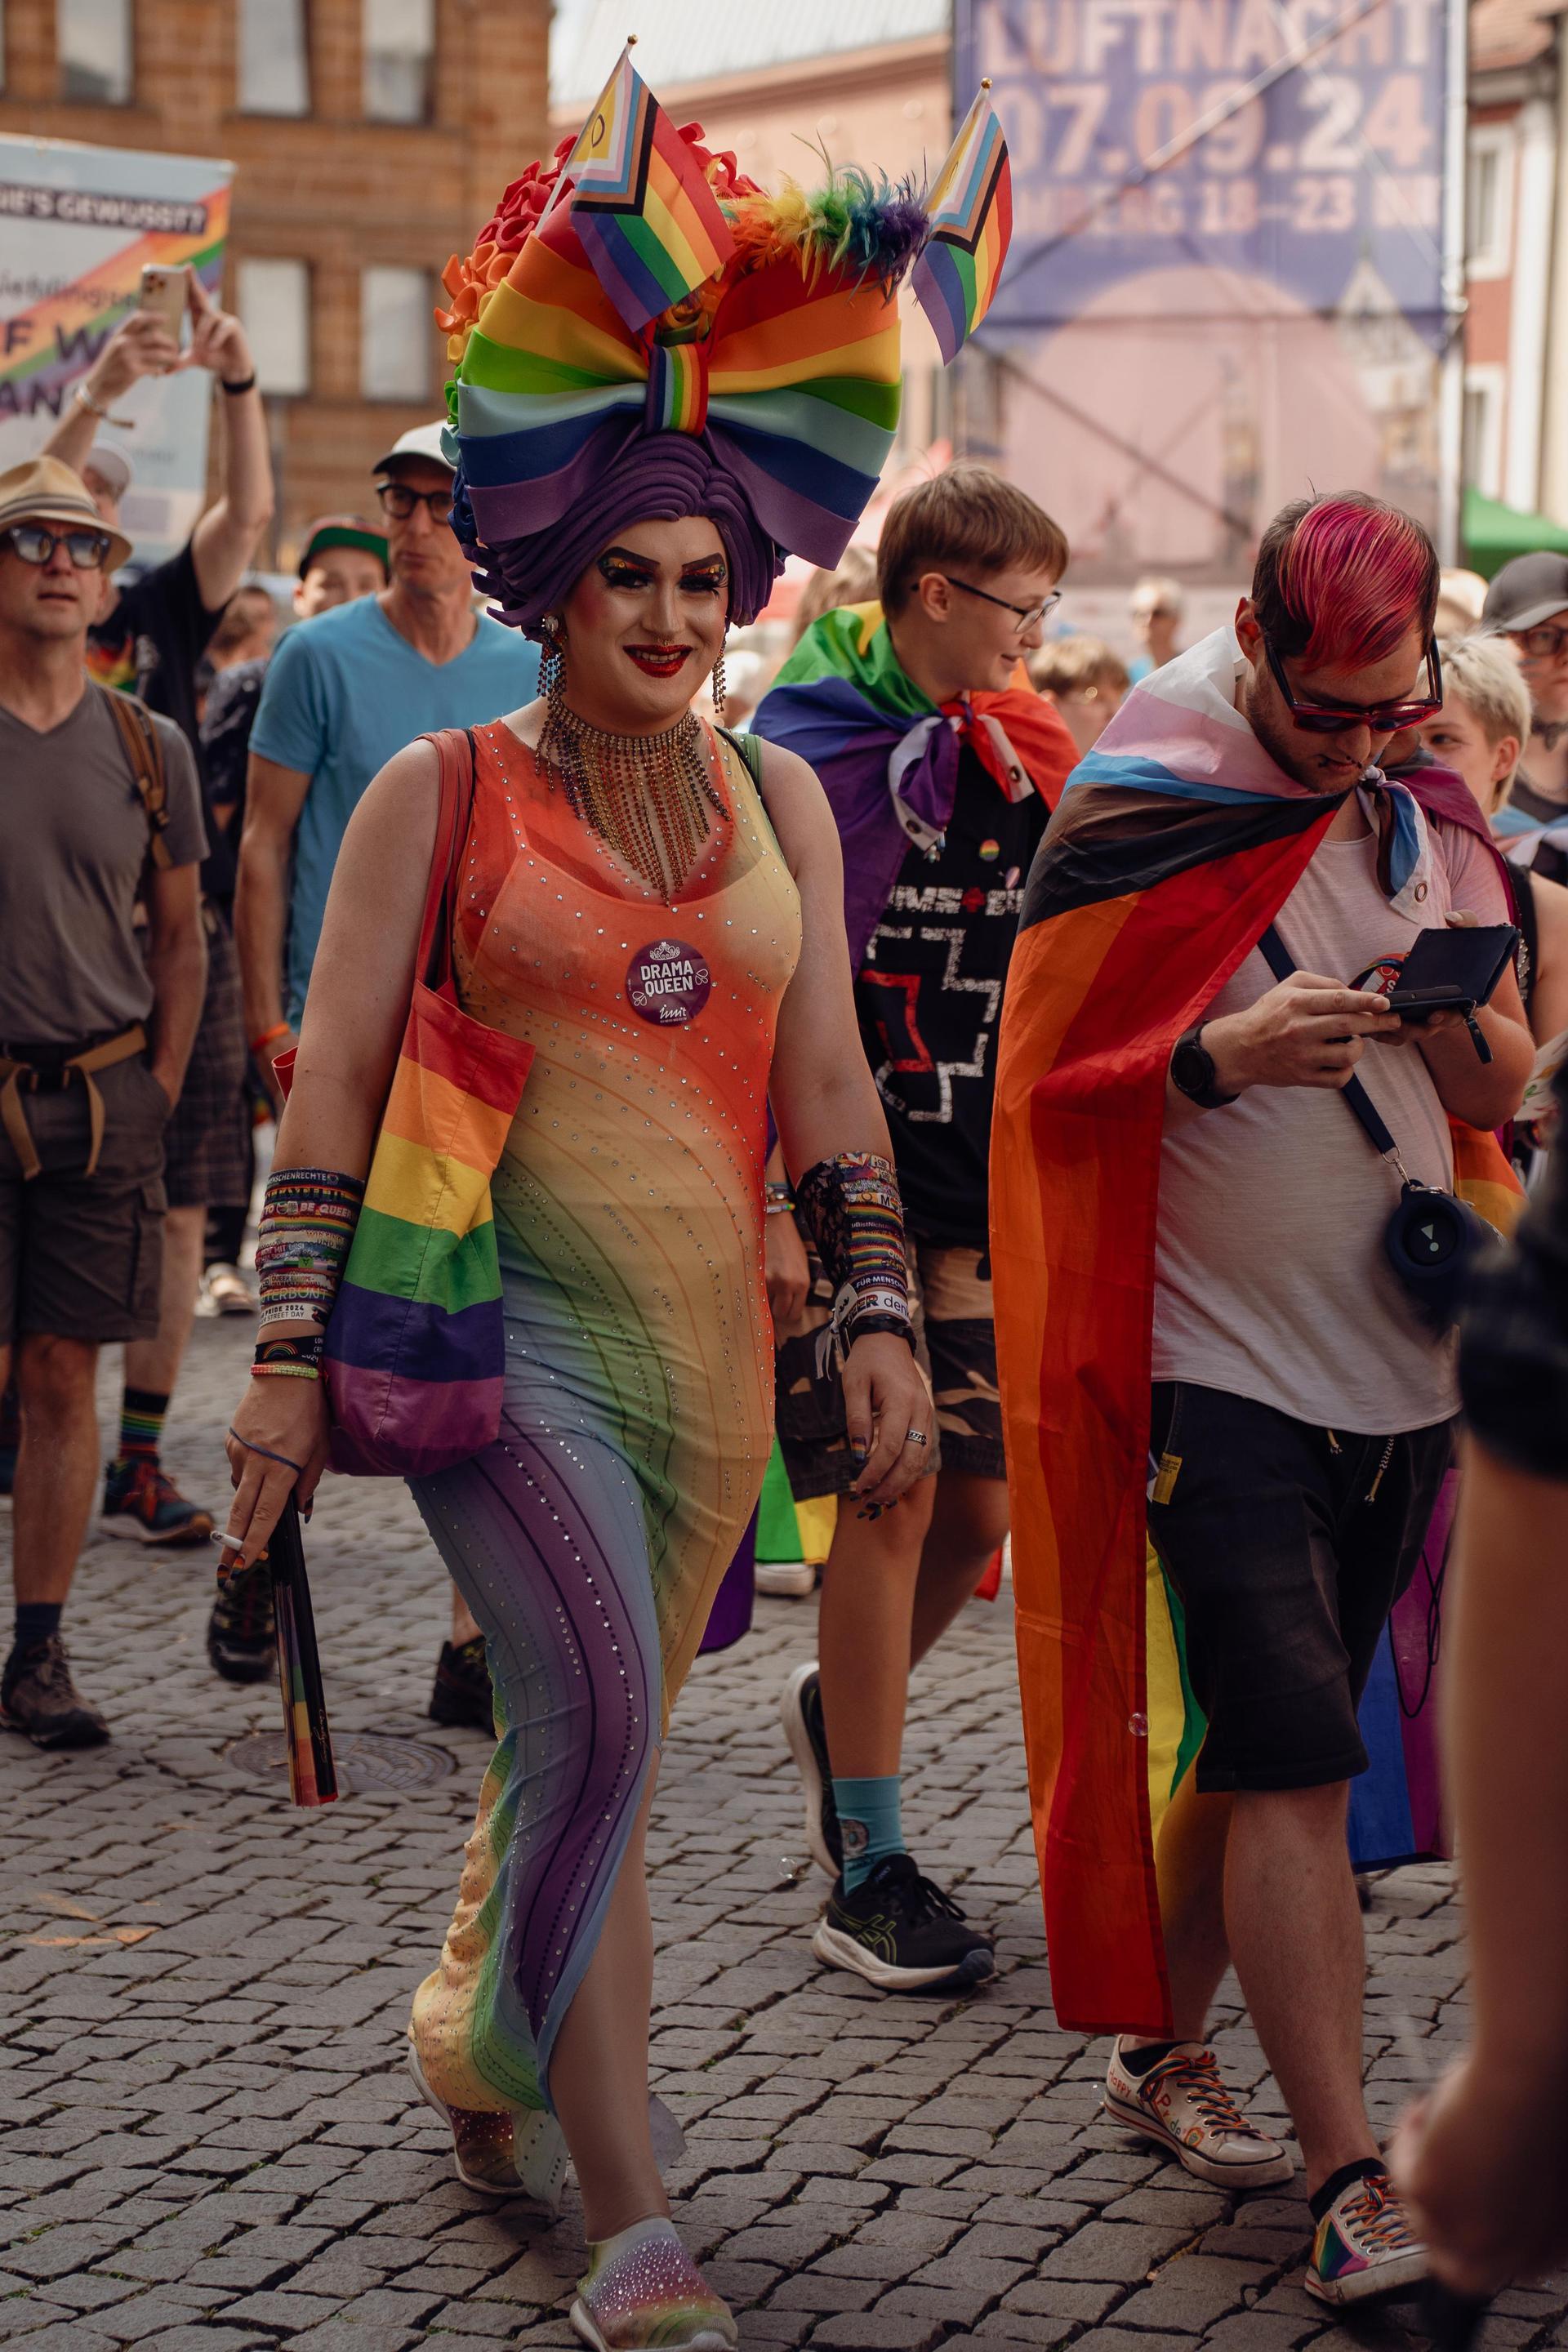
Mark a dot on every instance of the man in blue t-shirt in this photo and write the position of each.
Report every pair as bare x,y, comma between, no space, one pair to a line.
346,690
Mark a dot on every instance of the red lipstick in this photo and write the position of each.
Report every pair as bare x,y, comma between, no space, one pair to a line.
659,661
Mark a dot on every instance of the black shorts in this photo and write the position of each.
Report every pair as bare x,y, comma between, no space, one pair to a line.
1288,1546
955,1344
81,1256
208,1162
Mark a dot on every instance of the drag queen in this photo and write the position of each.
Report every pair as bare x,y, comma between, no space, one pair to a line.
667,931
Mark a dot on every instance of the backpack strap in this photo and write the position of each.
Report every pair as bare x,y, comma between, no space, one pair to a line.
144,751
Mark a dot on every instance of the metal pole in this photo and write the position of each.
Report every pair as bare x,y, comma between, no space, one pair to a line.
1451,394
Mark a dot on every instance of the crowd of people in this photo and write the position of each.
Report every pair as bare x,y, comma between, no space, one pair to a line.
941,1072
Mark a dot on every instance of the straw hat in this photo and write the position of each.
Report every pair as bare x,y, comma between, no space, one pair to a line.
43,490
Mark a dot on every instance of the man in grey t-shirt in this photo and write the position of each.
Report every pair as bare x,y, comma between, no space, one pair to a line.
93,1043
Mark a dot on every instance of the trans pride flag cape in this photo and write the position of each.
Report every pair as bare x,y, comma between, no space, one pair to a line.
888,758
1154,881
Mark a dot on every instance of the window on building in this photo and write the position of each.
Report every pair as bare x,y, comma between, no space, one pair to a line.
399,59
275,304
1482,459
96,41
396,334
274,68
1488,200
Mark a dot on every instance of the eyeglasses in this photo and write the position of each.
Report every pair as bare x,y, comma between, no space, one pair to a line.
1028,616
399,501
1380,718
87,550
1543,643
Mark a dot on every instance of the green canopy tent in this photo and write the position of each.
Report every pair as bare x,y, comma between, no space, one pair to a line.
1494,533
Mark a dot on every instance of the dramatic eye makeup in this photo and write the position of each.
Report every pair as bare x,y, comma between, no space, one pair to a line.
704,579
619,570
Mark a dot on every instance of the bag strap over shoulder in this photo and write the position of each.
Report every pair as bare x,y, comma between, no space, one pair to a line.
144,751
457,754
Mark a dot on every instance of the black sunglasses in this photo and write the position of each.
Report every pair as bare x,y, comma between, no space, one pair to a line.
1380,718
1026,615
87,550
399,501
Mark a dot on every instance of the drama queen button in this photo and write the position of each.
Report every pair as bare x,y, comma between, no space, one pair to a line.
667,983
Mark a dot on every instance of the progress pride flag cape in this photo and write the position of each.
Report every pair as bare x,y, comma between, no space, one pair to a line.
1154,883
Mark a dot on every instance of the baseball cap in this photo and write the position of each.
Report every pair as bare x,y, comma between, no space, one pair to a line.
111,465
341,530
1525,593
419,441
44,491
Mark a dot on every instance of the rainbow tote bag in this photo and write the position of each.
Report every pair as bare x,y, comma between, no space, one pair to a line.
414,1347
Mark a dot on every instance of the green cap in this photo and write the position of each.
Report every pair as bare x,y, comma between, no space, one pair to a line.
341,530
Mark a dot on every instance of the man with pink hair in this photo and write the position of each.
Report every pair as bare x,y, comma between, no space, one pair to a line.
1225,895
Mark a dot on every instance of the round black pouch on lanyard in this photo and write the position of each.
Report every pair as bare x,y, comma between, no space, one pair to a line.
1432,1239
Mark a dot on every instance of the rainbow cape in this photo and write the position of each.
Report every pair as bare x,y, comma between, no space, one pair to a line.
888,758
1155,879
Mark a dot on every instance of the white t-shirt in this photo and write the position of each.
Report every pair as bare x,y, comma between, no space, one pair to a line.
1270,1278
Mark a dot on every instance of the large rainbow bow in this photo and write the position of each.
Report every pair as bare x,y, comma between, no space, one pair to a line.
785,357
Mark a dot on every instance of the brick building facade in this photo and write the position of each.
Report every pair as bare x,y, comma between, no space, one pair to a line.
370,140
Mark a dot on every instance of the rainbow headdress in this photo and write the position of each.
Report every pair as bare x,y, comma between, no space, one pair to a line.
763,388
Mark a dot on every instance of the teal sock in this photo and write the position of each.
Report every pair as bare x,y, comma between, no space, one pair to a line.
869,1817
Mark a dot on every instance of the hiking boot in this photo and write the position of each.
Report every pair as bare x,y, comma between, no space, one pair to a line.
1364,2245
800,1712
649,2293
139,1499
462,1694
900,1932
241,1631
38,1698
1182,2105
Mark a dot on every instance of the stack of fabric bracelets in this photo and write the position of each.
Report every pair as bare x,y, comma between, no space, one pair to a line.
851,1205
308,1220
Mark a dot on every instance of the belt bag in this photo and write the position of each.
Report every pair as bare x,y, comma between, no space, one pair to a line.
1432,1240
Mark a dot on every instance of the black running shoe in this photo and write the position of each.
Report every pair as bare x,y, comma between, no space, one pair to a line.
901,1933
38,1698
462,1692
242,1641
800,1712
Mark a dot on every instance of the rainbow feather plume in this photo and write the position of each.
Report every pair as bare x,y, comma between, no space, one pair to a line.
859,222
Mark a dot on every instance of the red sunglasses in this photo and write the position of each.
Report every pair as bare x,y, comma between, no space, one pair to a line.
1382,718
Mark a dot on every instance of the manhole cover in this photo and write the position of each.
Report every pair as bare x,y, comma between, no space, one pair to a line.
365,1759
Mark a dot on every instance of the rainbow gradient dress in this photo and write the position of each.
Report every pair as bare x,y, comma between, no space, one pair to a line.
590,1540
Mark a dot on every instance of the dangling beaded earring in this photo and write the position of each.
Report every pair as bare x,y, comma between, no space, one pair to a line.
550,665
718,690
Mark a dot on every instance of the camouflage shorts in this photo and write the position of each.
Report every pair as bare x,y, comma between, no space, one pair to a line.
955,1342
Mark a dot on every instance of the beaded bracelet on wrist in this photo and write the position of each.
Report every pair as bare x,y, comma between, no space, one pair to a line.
851,1205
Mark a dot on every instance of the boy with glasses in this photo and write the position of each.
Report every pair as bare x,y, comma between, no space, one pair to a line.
343,692
942,765
100,810
1528,604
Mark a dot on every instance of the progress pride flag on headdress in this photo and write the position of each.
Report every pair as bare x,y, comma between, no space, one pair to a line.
640,204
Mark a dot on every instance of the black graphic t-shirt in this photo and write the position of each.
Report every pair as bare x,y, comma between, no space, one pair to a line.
153,639
930,1002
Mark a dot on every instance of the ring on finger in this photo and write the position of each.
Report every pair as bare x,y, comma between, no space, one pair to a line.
916,1437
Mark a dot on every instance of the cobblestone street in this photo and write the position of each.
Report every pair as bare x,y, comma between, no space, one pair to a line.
209,2142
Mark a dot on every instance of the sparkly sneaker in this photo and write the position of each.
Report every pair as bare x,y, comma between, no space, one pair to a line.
501,2153
1182,2105
462,1692
141,1500
643,2291
38,1698
241,1634
1364,2245
901,1933
800,1712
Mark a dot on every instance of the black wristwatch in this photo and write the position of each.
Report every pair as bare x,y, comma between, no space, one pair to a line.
1193,1070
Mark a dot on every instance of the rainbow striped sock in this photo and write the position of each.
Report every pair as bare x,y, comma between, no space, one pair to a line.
142,1413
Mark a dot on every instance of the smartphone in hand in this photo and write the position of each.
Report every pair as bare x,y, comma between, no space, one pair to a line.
165,295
